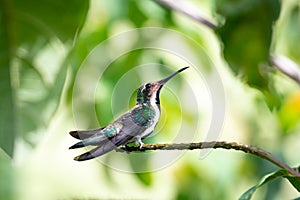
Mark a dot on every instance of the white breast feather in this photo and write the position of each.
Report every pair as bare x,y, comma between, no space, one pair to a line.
149,130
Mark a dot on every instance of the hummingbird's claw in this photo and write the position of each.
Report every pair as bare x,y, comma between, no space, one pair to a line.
139,141
141,146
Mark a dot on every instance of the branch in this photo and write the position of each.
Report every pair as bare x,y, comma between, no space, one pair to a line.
283,64
286,66
188,10
216,145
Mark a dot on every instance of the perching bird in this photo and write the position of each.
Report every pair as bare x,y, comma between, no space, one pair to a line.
134,125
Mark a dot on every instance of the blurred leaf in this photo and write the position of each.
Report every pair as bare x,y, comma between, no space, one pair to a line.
135,14
27,31
7,117
289,113
141,163
295,181
46,18
292,32
6,177
246,36
7,107
145,178
37,110
85,44
270,177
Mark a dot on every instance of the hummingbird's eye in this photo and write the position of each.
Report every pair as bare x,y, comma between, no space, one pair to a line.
147,86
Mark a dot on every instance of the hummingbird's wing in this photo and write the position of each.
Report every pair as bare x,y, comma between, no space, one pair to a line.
124,130
83,134
97,136
127,134
105,146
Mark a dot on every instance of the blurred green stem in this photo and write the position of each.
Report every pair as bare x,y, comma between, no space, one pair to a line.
286,66
217,145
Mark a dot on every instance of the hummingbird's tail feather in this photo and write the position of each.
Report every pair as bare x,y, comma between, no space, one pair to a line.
77,145
104,145
96,152
81,135
95,141
87,156
74,134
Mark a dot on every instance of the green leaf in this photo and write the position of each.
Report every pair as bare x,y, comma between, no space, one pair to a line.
46,18
295,181
7,117
141,164
246,35
7,107
291,33
135,14
6,177
28,30
270,177
145,178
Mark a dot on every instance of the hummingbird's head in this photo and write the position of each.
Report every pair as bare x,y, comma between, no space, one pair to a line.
149,92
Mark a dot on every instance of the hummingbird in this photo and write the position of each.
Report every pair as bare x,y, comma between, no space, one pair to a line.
133,126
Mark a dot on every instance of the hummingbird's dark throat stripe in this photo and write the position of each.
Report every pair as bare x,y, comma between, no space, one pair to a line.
157,101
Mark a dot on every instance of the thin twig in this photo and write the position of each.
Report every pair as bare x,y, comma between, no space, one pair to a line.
286,66
188,10
283,64
216,145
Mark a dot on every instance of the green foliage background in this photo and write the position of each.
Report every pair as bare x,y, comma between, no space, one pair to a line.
42,46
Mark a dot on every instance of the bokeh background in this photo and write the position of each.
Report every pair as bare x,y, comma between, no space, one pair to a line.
45,93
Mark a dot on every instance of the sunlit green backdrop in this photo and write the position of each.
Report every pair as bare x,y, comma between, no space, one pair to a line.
43,45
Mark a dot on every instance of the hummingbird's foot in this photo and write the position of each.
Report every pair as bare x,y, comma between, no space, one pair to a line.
139,141
141,145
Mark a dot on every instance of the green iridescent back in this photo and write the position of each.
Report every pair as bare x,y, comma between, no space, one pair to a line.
143,115
112,129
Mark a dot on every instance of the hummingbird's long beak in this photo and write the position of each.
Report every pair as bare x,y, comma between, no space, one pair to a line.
163,81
